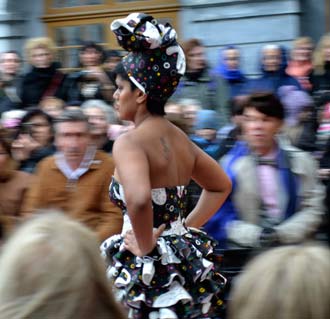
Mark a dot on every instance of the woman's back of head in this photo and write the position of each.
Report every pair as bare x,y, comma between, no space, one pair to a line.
287,282
51,268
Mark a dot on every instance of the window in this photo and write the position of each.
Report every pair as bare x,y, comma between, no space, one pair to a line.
70,38
71,22
74,3
327,15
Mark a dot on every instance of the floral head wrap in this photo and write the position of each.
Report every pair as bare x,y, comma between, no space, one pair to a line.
155,61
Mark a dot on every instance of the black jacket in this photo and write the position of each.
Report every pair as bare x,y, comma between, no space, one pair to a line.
41,82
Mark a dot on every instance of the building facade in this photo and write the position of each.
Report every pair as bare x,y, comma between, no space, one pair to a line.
249,24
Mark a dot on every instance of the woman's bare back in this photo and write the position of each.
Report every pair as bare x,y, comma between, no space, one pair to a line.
169,151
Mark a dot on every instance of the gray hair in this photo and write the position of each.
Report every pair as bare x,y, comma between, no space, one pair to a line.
71,115
104,107
271,46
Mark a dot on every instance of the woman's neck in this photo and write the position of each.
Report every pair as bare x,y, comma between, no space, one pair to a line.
143,118
266,150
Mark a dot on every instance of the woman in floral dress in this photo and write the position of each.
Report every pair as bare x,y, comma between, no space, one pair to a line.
162,266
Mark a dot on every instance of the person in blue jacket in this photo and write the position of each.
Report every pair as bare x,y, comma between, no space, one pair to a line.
229,69
273,63
276,197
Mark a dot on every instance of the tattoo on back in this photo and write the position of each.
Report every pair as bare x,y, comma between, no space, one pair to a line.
166,149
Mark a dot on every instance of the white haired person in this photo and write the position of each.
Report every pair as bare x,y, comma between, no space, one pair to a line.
50,268
289,282
100,118
161,267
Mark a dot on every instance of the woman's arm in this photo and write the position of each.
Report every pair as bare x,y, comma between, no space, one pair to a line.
132,169
216,187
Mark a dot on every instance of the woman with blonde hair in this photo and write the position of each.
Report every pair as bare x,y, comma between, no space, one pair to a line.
39,43
321,61
290,282
51,268
300,65
44,78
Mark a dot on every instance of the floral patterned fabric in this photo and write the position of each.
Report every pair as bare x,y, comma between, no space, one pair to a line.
179,278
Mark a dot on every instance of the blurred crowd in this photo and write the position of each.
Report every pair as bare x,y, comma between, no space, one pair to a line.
57,130
208,105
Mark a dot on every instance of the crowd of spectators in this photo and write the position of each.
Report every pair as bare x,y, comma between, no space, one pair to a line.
271,134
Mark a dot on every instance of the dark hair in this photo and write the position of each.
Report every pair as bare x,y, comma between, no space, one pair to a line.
72,115
92,45
188,45
237,104
120,70
113,54
73,103
266,103
155,105
25,127
13,52
35,111
5,140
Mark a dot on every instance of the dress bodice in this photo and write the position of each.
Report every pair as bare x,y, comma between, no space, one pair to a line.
169,203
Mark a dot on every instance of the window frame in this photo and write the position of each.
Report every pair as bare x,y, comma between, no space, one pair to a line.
104,14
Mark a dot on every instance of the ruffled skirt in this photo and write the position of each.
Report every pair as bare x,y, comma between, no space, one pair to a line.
180,278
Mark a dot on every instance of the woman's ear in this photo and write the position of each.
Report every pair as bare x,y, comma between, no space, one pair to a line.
141,97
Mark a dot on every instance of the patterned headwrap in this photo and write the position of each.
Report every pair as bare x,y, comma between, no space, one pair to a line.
155,61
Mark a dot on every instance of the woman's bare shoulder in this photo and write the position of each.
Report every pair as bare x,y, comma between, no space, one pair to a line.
124,143
149,136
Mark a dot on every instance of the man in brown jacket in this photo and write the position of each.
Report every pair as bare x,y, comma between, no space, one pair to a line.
76,179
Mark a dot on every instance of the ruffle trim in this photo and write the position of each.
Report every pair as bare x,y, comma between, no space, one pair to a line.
185,267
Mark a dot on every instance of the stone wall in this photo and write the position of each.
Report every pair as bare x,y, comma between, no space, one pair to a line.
245,23
20,20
